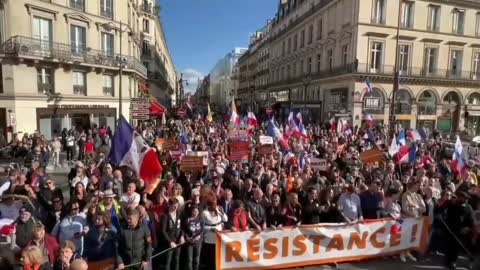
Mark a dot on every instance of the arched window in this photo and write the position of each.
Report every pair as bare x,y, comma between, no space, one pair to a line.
474,99
403,102
427,103
374,102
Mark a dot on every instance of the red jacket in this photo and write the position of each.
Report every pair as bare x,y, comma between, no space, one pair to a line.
52,246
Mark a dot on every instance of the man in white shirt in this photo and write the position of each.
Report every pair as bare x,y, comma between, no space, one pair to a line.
130,199
350,206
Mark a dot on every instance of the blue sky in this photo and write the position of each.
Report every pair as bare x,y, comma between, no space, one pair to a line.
200,32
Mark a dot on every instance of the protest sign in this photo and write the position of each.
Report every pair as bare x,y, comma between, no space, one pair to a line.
239,151
318,244
167,144
371,156
265,149
203,154
191,163
238,135
265,140
318,164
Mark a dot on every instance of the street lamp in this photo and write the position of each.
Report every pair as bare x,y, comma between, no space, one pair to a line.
180,89
121,61
396,75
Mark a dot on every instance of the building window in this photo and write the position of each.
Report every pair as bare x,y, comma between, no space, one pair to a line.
427,103
319,29
289,45
403,101
477,24
295,42
407,14
476,66
45,81
283,48
310,34
431,56
376,56
146,48
378,12
404,59
288,72
146,25
330,59
344,55
473,99
108,85
78,4
106,8
309,65
42,33
107,44
433,23
79,83
294,69
78,39
302,38
458,21
319,62
456,63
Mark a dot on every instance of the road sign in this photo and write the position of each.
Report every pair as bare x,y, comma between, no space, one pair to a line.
181,112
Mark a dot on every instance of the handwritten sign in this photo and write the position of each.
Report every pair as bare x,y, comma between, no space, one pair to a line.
319,164
203,154
238,135
265,149
167,144
372,156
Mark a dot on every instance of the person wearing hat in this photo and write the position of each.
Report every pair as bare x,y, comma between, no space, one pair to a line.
458,219
112,207
134,243
24,224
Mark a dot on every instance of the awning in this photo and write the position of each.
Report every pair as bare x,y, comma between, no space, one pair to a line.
157,109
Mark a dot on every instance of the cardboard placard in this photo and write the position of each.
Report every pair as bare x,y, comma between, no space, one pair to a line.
239,156
265,149
319,164
265,140
238,135
191,163
167,144
203,154
372,156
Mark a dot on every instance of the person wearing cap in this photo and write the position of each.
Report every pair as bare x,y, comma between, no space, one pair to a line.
134,243
25,224
458,218
47,244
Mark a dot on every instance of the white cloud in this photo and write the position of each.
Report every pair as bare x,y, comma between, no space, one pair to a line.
192,76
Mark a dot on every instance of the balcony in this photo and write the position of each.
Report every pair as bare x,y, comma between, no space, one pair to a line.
149,8
45,88
108,91
26,47
80,90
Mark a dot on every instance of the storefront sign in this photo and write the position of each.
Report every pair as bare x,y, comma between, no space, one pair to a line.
79,106
372,102
305,245
140,108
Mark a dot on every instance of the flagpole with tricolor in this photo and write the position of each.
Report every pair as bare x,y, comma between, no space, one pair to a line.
235,120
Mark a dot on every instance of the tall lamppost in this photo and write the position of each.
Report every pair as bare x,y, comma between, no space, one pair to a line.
181,90
396,74
120,60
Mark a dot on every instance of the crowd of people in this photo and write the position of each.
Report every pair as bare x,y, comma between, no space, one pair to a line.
107,217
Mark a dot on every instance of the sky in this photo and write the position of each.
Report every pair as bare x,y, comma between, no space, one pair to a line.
200,32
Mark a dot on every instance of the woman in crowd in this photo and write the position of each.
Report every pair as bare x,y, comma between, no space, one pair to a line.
275,218
193,232
214,220
47,244
32,259
238,217
100,241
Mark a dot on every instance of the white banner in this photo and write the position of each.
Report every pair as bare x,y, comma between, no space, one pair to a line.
318,244
203,154
265,140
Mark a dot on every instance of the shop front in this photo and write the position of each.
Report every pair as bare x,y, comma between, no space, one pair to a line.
374,107
53,119
336,104
472,114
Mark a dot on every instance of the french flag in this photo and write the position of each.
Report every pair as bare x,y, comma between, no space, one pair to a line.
457,161
272,130
131,150
252,120
401,138
291,123
234,117
371,120
369,87
301,127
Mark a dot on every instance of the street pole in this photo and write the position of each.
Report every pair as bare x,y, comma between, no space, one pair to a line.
396,72
120,76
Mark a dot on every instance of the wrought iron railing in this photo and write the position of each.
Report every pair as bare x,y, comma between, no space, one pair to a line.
80,90
45,88
31,47
108,91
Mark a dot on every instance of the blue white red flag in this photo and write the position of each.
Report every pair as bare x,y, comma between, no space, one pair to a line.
369,87
130,149
457,161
